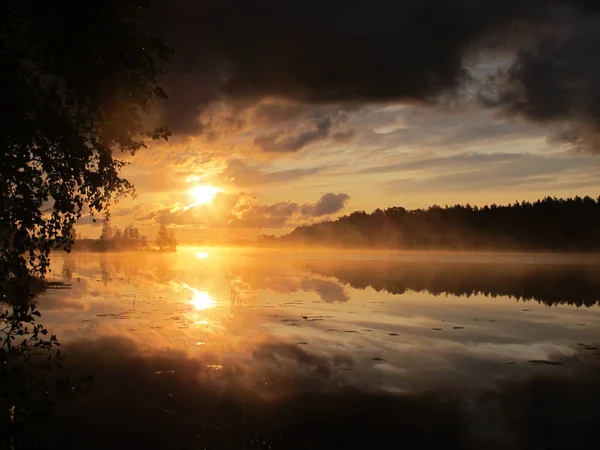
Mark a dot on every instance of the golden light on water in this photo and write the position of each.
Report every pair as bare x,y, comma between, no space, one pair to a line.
203,194
202,300
202,255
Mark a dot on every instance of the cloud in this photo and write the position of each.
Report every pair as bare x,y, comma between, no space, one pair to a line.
288,127
276,215
455,162
241,174
286,214
328,204
556,81
219,212
458,126
522,171
276,144
241,211
272,126
352,53
274,113
343,137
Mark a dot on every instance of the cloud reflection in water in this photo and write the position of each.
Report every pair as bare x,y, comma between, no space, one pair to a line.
374,321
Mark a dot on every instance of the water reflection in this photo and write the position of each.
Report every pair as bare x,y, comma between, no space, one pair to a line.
308,347
550,283
200,300
166,400
386,315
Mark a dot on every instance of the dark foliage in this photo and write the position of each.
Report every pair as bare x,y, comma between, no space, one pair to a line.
550,224
76,79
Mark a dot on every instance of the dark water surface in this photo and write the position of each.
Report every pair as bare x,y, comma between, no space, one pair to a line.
262,349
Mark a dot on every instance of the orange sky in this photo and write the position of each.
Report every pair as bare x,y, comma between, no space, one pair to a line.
277,165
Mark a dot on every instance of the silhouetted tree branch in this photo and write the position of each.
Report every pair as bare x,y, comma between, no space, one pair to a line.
76,81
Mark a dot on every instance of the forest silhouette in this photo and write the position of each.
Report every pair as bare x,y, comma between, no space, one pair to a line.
550,284
548,224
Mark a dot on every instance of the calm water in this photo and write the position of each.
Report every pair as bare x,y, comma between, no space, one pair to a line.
261,349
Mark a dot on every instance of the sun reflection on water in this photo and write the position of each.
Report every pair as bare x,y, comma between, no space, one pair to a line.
201,300
202,255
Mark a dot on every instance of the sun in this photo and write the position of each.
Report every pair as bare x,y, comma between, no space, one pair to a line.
203,194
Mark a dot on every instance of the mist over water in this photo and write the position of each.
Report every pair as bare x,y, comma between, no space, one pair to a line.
232,348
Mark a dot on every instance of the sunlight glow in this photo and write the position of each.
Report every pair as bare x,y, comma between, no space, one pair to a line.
202,255
203,194
201,300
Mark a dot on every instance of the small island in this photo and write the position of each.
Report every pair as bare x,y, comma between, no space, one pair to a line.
113,239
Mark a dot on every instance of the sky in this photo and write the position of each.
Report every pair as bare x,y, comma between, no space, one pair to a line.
290,113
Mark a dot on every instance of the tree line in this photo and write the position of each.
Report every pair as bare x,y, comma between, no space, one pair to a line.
129,239
570,224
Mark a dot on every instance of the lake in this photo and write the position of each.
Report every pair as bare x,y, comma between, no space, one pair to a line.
243,348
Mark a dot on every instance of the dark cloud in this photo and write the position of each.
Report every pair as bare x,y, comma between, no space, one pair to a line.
332,50
343,137
273,125
272,143
286,127
557,81
355,52
328,204
271,114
